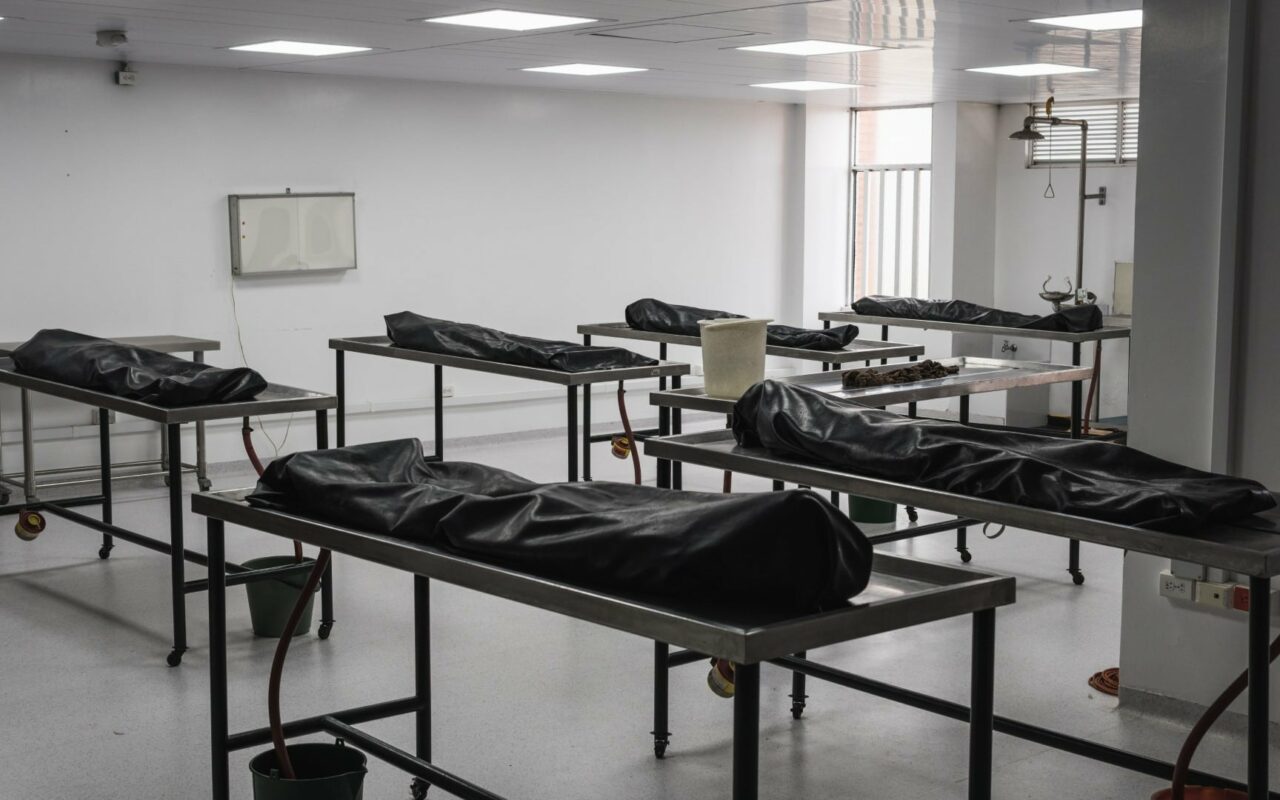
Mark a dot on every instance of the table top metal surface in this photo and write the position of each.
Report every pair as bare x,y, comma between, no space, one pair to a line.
857,350
275,399
1107,331
1250,546
903,591
164,344
977,375
381,346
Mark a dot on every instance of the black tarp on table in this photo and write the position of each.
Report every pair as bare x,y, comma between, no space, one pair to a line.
781,551
417,332
134,373
1098,480
1071,319
659,317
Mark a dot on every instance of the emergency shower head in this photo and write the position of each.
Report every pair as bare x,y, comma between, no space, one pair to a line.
1028,132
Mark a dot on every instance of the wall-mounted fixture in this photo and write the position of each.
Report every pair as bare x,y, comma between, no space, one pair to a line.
112,38
292,233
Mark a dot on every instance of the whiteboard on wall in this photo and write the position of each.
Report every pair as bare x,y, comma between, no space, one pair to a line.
284,233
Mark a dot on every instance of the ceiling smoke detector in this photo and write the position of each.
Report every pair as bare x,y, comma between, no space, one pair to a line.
112,38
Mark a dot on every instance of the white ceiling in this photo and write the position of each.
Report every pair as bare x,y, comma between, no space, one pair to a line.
688,45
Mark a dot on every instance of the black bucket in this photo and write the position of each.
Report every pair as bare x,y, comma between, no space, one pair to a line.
272,601
325,772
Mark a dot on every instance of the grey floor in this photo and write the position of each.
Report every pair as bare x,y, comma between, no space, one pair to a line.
532,705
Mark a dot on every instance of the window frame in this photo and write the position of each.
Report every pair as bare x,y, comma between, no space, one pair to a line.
1122,126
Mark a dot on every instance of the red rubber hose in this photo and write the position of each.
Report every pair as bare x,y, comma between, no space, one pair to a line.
631,437
728,482
246,435
1210,716
277,665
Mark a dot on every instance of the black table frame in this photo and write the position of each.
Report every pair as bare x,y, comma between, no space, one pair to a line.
949,592
172,420
1251,547
572,381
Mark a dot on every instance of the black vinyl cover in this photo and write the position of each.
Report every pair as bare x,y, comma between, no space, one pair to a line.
417,332
659,317
778,551
1091,479
135,373
1071,319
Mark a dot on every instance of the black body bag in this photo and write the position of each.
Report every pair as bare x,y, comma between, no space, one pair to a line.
1071,319
1098,480
659,317
417,332
785,552
135,373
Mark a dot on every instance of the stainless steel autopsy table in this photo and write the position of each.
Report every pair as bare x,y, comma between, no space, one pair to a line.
275,399
976,376
859,350
1250,547
1074,339
903,593
164,344
572,381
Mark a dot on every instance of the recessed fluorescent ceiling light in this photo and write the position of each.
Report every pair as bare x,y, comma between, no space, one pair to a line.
809,47
1104,21
805,86
300,48
585,69
1031,70
511,20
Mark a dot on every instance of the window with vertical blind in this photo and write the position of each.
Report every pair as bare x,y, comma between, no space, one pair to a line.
891,184
1113,135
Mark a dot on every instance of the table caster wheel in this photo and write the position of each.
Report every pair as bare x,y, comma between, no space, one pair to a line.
5,497
912,515
30,525
659,748
104,552
418,789
966,556
797,710
174,658
1077,578
324,630
205,484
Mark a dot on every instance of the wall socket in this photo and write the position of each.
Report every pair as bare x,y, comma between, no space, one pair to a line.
1177,587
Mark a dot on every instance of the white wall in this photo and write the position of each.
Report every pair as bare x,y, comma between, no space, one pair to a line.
1185,316
527,210
1036,237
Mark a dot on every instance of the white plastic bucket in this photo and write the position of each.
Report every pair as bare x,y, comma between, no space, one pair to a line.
732,355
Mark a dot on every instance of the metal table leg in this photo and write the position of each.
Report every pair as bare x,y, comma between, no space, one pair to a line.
326,581
340,379
798,696
661,684
677,423
177,561
572,409
104,461
1077,413
202,463
439,420
586,422
28,450
422,677
1259,686
746,731
220,760
962,534
982,704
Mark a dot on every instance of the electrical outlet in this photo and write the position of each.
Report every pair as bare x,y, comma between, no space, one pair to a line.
446,391
1176,587
1217,595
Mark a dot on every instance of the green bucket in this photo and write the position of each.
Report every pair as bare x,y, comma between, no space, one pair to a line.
325,772
271,601
863,509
